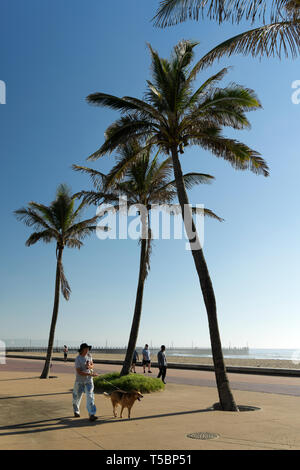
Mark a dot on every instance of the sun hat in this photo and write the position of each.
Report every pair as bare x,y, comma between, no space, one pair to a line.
83,346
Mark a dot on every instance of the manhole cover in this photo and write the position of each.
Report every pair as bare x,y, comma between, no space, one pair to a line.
203,436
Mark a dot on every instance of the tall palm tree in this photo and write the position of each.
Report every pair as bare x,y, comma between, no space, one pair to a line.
59,222
173,116
277,36
143,184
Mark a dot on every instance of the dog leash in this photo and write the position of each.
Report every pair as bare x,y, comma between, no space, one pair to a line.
123,391
113,386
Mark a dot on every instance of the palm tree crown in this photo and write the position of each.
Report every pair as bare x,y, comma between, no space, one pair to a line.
59,222
174,114
143,179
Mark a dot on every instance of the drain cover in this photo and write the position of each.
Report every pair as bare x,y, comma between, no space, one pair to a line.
203,436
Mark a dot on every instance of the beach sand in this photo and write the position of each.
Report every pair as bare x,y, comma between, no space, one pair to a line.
273,363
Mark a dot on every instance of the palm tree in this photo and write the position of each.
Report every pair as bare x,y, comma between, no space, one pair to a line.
144,184
173,116
278,36
59,222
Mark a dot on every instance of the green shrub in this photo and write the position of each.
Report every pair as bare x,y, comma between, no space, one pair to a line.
127,383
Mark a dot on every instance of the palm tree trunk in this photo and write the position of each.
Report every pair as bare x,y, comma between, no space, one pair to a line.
138,302
46,368
226,398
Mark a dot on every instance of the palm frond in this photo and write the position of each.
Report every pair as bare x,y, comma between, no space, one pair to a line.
146,109
235,96
239,155
113,102
31,218
46,236
90,197
217,116
172,12
125,161
160,73
97,177
207,213
276,40
293,8
222,107
81,229
121,131
77,213
74,243
206,86
65,287
44,211
160,172
192,179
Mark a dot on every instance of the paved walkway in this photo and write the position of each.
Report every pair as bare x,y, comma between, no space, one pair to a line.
37,414
255,383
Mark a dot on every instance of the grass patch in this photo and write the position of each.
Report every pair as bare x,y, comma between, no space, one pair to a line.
127,383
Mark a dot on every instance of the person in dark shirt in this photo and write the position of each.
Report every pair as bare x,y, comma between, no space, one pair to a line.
162,363
65,352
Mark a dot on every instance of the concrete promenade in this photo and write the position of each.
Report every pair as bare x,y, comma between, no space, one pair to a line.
37,414
245,382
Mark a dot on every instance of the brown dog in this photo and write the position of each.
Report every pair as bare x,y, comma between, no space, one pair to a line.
124,399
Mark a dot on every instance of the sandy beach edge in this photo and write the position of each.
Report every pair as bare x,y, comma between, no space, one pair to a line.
268,363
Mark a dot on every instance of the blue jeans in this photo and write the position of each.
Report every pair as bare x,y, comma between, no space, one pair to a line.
88,389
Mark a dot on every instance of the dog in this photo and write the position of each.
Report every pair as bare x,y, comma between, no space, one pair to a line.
124,399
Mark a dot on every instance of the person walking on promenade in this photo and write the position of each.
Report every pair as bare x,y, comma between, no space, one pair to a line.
65,352
146,359
162,363
134,361
84,382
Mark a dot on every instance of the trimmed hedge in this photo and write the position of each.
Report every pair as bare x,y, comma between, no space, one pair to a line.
127,383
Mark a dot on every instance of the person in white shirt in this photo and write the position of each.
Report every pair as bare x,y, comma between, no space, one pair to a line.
84,382
146,359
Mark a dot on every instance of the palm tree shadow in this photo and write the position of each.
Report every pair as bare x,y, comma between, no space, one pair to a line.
66,422
36,395
19,378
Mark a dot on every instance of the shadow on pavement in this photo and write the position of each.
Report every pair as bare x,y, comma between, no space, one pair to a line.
37,395
71,422
19,378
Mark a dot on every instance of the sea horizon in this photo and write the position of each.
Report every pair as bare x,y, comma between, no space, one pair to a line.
172,350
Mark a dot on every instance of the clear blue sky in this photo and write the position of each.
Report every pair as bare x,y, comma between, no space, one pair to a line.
53,54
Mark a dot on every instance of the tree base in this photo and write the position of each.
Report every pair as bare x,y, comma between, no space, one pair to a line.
218,407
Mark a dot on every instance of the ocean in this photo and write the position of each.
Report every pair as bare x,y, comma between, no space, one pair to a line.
279,354
253,353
